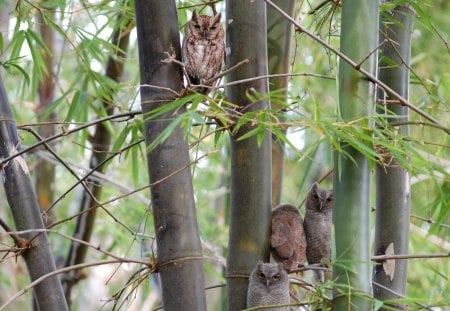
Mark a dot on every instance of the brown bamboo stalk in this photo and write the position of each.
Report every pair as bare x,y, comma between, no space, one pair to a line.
179,253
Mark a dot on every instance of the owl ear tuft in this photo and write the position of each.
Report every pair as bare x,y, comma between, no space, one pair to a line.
217,18
195,15
314,187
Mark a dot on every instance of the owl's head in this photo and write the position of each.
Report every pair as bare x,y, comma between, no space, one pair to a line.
204,26
269,274
319,199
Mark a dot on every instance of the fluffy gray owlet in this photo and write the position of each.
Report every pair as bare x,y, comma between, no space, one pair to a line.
288,240
318,225
203,49
269,285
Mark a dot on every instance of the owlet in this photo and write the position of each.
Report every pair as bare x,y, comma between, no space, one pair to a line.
288,240
318,225
203,50
268,285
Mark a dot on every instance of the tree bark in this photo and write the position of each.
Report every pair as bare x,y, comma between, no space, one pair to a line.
177,239
392,180
351,210
279,35
25,210
250,162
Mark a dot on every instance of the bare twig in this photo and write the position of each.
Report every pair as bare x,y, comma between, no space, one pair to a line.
399,295
355,65
226,71
20,242
419,122
94,169
129,114
430,221
195,161
50,149
412,256
95,175
97,248
63,270
279,75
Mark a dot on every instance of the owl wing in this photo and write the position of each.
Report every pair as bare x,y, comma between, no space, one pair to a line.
299,242
280,241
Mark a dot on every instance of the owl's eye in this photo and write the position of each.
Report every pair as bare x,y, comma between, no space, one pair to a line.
260,274
315,196
214,27
329,199
196,26
276,277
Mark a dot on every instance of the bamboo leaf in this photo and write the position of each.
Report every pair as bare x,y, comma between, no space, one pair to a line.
16,44
166,133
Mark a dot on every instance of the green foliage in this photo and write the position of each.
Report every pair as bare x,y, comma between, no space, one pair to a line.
84,33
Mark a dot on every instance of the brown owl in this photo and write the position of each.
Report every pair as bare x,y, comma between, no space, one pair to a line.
203,49
318,225
288,241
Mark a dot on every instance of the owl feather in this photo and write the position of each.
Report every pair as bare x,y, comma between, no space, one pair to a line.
203,50
318,225
268,285
288,241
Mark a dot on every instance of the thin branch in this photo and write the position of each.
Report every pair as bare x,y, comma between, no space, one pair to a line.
423,123
399,295
63,270
358,66
412,256
97,248
50,149
95,175
94,169
195,161
129,114
367,74
20,242
279,75
226,71
430,221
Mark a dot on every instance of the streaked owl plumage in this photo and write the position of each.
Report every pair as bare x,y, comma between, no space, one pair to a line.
318,225
268,285
288,239
203,50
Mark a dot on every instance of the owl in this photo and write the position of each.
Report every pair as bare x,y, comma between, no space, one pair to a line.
203,50
268,285
288,240
318,225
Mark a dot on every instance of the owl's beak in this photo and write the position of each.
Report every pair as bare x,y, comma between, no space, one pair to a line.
267,283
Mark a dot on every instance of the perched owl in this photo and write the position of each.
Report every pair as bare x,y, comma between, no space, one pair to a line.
288,240
318,225
268,285
203,49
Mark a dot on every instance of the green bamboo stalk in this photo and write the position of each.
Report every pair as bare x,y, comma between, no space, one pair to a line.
351,213
178,243
392,181
250,162
279,35
22,200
